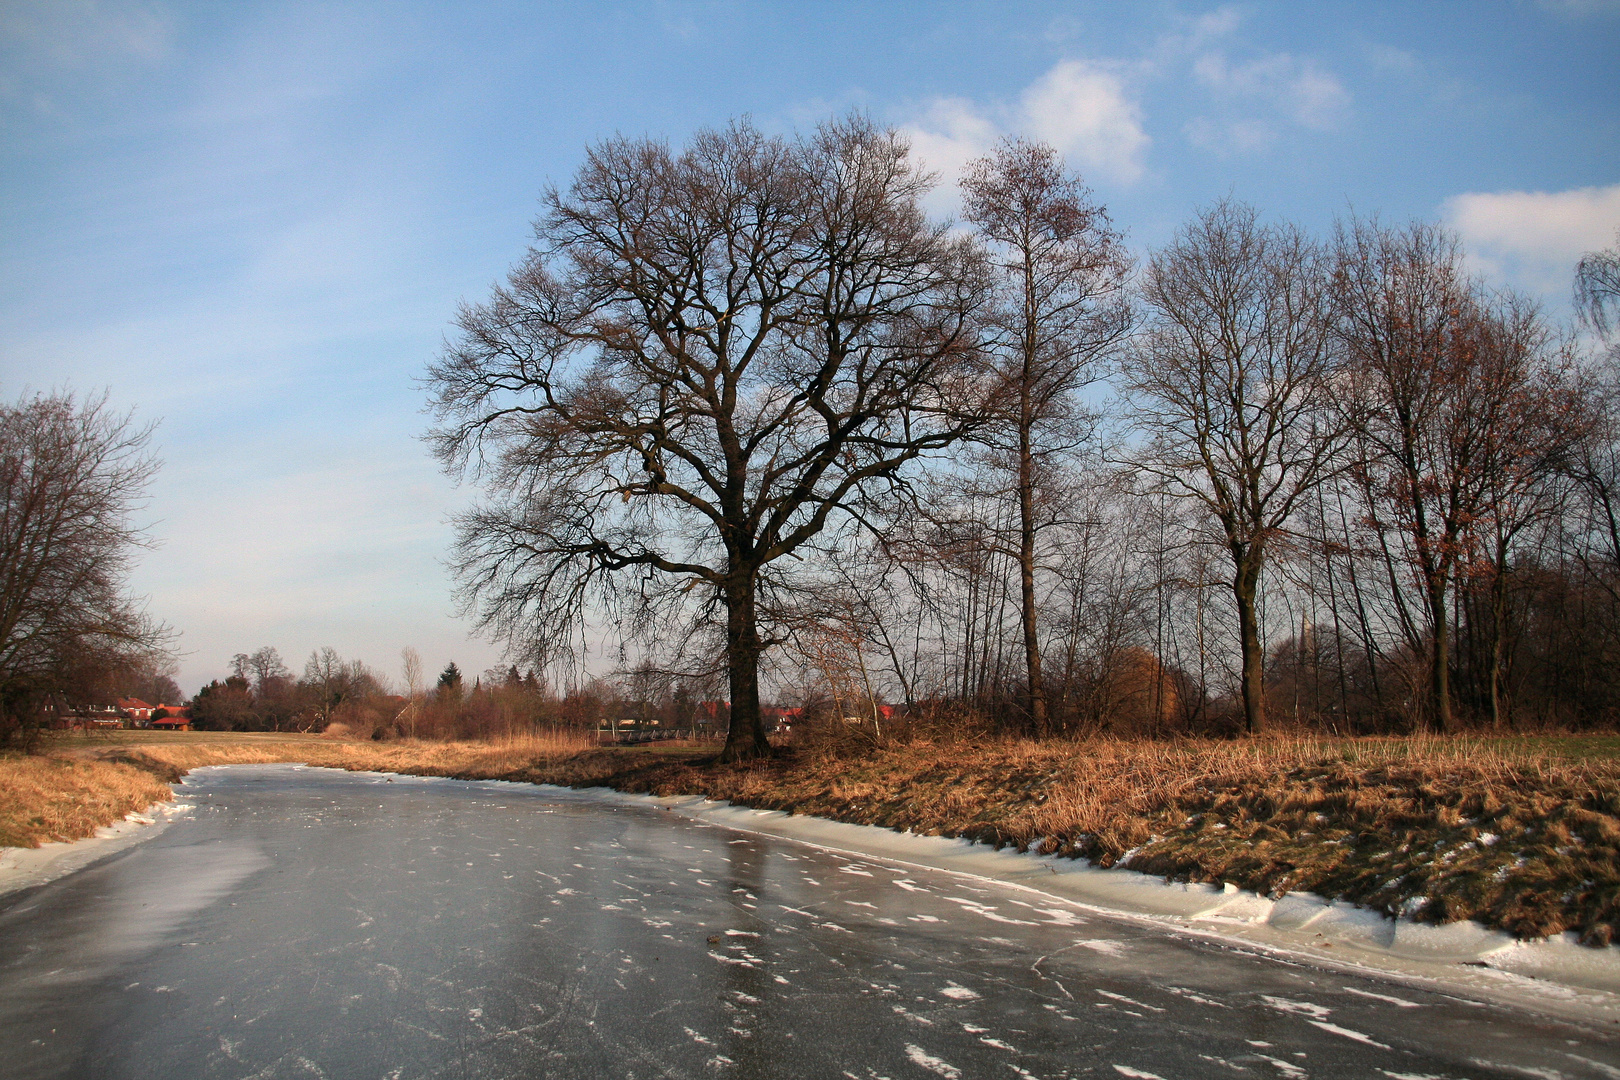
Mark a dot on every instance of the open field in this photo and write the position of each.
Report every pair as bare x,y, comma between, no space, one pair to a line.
1519,833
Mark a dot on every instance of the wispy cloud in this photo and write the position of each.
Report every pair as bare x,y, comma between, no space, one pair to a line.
1580,9
1245,97
1295,88
43,40
1227,137
82,32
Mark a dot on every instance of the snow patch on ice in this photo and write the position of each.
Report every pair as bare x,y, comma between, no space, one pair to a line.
1347,1033
1399,1002
923,1059
1287,1068
1110,995
1303,1008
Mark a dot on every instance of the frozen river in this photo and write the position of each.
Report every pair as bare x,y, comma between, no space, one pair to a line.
314,924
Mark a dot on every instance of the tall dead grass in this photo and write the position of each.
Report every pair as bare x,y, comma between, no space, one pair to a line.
71,793
481,759
46,799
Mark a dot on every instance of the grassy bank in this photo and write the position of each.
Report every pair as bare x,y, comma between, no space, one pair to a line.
50,798
1521,834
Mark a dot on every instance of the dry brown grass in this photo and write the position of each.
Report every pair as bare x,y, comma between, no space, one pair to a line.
44,799
174,758
82,784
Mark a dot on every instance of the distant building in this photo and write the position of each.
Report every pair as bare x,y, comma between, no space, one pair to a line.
779,719
171,718
71,717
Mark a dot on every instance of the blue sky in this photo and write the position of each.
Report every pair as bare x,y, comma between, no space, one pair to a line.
253,221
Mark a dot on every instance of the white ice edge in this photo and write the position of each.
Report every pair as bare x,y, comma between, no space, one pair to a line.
23,868
1557,976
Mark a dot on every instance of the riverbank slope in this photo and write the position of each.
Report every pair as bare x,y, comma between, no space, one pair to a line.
1520,835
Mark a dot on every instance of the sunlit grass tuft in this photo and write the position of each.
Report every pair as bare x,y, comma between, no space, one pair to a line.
45,799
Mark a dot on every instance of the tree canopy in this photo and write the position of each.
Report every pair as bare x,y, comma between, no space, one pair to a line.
709,357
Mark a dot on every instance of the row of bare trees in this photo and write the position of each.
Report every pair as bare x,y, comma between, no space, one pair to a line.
348,697
744,405
262,694
1413,471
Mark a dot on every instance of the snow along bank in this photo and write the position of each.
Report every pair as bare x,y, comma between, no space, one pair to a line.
23,868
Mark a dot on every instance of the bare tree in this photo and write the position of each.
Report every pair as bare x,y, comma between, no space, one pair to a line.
411,666
707,358
1527,450
1596,465
72,475
1230,382
1597,287
333,681
1457,422
1062,305
267,668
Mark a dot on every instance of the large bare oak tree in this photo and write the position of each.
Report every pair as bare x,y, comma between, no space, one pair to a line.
708,358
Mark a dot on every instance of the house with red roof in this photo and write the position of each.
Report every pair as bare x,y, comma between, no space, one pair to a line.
171,718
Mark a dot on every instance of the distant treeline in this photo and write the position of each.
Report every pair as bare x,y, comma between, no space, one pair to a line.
348,697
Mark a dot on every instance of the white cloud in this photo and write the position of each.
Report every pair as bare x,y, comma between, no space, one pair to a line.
951,133
1533,239
1083,109
1217,23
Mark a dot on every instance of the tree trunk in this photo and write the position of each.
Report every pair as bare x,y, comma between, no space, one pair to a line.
1026,581
1499,617
745,737
1439,664
1245,584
